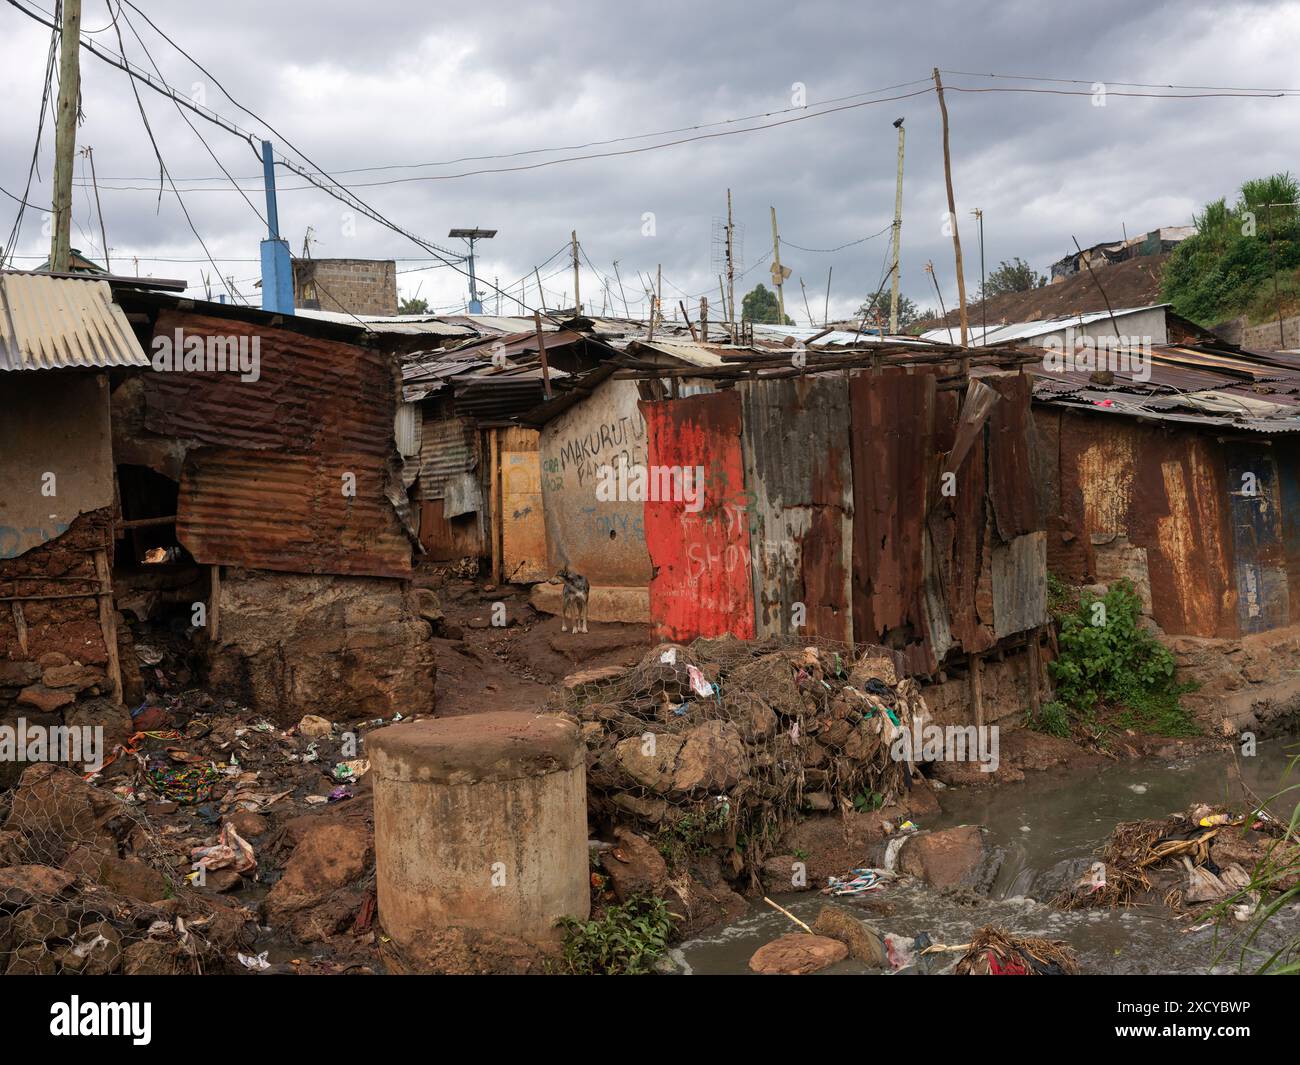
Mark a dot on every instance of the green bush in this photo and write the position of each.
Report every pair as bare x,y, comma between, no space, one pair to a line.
625,940
1107,660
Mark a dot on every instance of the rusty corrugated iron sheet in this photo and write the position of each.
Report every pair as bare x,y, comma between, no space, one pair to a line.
448,448
1011,484
801,518
893,448
1259,549
296,471
702,583
274,510
47,323
1163,492
310,393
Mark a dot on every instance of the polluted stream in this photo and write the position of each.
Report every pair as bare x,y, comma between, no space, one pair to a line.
1047,830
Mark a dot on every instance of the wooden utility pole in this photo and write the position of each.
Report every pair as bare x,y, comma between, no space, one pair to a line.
804,289
622,295
952,210
730,294
898,232
778,271
659,293
577,298
541,354
704,319
65,134
541,292
826,307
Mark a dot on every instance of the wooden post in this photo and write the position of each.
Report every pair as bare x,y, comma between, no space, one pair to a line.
65,134
977,687
494,506
541,354
541,292
214,603
778,273
20,625
1035,665
694,335
108,621
704,319
952,210
577,297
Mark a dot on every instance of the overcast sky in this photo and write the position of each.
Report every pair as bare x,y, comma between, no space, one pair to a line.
393,85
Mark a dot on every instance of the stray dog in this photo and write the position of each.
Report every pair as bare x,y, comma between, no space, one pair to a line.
576,589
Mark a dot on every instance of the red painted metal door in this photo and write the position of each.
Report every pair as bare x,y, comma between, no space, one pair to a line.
699,539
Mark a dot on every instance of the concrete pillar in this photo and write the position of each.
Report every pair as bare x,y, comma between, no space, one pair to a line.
480,822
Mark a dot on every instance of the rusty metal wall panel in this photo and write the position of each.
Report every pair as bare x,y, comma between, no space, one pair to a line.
448,448
893,459
702,583
1020,584
310,393
1165,491
1263,599
446,539
1287,456
1011,477
273,510
799,477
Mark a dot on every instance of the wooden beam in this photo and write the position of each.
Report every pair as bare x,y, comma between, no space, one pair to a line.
108,621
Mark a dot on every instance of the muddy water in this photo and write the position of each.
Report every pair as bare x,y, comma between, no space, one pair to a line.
1046,829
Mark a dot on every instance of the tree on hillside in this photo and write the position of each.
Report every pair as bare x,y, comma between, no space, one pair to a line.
761,306
413,305
876,309
1227,267
1013,275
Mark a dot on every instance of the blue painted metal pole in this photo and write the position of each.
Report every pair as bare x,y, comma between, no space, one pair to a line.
475,304
277,263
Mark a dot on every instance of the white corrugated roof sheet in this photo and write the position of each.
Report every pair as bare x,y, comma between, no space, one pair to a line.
48,323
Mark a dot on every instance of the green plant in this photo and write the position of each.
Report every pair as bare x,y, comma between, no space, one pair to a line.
625,940
1053,719
866,801
689,834
1108,659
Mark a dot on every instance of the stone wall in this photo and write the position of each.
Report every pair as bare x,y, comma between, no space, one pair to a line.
346,648
1247,684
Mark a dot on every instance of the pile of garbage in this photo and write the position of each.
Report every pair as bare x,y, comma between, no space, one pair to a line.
995,952
724,743
1188,860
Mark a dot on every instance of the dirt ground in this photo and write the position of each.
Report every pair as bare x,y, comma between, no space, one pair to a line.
515,666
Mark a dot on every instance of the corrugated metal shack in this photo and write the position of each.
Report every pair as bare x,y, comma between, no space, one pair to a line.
474,471
59,337
273,497
1186,483
877,493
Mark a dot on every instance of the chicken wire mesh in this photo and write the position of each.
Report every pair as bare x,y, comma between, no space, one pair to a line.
75,864
721,744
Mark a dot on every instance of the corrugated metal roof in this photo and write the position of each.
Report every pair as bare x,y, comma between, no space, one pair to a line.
1011,332
48,323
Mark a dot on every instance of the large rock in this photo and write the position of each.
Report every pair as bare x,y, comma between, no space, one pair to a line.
712,758
74,676
952,857
112,717
330,856
773,679
123,876
649,760
46,699
57,811
838,923
634,866
22,885
797,954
